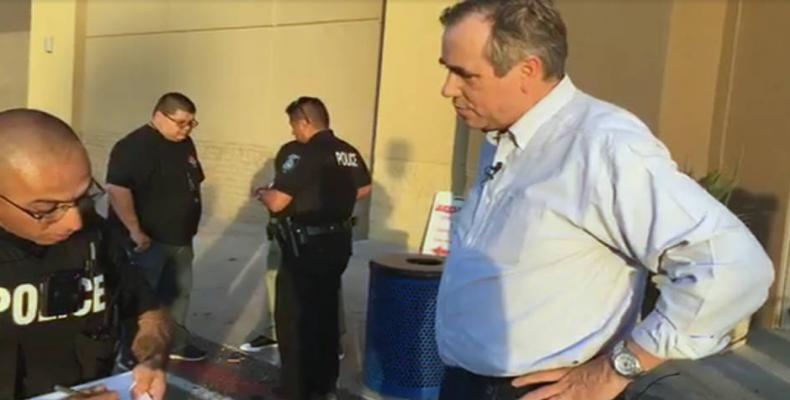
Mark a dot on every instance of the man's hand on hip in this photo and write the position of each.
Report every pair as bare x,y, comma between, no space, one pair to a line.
593,380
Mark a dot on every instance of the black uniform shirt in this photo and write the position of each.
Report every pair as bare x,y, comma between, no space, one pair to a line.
164,178
39,351
322,177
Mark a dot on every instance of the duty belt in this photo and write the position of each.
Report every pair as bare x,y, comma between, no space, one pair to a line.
326,229
292,235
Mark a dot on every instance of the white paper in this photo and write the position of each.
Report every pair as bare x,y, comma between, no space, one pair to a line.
119,383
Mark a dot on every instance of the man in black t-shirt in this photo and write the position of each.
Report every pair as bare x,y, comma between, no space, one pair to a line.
311,200
153,179
62,282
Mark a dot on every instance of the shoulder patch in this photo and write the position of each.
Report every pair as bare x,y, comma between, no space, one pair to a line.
290,162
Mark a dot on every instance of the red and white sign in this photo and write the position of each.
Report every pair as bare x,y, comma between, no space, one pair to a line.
437,237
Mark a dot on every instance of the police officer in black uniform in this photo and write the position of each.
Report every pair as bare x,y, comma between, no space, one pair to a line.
62,285
312,199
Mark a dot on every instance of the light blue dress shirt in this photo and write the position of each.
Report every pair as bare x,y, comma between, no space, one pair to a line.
548,258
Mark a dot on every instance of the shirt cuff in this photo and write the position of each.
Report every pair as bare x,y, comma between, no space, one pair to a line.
656,335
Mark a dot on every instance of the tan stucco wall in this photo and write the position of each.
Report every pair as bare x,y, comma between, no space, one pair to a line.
617,51
242,62
756,131
51,74
14,47
695,53
415,128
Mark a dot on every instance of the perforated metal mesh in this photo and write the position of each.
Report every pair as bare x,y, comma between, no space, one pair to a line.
401,358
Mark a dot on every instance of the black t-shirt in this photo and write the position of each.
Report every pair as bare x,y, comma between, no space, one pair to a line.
38,351
322,176
164,178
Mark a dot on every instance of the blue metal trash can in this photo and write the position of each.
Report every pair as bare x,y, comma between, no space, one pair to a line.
401,357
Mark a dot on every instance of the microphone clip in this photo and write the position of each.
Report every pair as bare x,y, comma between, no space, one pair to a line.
491,171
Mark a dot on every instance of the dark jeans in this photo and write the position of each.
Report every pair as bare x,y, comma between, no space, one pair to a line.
168,269
306,314
460,384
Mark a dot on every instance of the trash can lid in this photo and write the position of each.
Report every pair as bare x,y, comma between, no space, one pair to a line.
410,264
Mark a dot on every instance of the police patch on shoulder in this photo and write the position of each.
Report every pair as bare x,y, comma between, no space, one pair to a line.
290,162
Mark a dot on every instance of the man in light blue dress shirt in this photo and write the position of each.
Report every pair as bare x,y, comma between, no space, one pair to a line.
549,256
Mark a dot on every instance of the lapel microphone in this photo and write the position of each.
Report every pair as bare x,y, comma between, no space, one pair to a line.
491,170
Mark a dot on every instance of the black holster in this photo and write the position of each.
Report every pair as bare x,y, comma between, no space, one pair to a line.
288,235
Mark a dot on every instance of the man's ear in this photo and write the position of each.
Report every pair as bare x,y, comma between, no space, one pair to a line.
529,70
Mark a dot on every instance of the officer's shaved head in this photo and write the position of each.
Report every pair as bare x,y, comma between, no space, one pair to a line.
42,164
29,138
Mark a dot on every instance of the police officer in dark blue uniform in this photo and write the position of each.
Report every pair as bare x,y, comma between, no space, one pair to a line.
62,285
312,199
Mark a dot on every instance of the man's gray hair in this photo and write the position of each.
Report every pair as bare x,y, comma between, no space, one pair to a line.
519,28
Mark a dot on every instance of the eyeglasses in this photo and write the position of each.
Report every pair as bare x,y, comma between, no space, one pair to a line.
191,124
56,213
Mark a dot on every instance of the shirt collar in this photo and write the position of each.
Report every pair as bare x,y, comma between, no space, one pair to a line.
322,135
526,126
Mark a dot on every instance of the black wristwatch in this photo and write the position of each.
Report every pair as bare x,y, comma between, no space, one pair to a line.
625,362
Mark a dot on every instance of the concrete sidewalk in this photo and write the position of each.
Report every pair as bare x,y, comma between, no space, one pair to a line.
229,299
229,304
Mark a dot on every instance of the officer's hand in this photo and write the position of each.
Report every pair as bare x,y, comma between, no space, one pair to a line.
148,381
95,393
141,240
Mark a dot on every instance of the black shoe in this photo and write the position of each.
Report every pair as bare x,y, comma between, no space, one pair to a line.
341,352
188,353
259,343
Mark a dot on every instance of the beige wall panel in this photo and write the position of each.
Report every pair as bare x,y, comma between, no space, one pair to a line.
14,15
617,51
114,17
14,47
51,71
226,73
412,112
121,80
212,14
322,60
694,56
310,11
759,124
117,17
416,127
402,197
